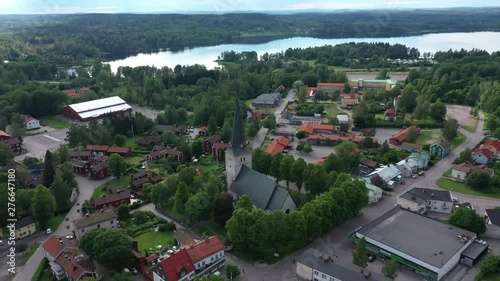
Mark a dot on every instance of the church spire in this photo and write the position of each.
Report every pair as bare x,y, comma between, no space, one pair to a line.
238,137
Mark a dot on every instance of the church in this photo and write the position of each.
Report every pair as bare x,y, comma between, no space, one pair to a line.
265,193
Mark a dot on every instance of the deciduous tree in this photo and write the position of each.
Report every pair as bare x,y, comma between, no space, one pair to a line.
478,180
6,155
109,247
198,207
61,192
468,219
285,168
232,271
438,111
43,206
181,197
297,172
390,269
450,129
123,212
223,208
360,254
120,140
117,165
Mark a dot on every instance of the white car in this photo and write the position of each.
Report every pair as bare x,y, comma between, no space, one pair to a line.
49,230
217,273
414,176
1,243
70,237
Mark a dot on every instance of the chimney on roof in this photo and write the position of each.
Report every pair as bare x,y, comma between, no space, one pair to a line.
207,239
191,246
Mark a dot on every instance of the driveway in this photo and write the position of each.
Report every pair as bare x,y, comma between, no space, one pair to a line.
260,137
37,145
461,114
86,187
284,102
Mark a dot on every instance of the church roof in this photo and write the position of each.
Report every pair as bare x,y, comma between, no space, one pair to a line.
238,137
263,190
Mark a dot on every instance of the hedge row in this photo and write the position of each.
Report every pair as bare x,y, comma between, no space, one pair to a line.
39,270
399,126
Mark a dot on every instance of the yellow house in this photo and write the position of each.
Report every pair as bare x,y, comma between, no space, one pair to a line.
25,227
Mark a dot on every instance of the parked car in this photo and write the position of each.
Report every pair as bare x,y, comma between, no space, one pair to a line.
455,199
371,257
414,176
1,243
49,230
421,173
70,237
134,271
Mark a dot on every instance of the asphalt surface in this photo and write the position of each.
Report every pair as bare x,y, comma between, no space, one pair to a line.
86,187
461,114
37,145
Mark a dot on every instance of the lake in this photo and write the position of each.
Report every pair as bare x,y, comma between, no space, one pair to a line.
489,41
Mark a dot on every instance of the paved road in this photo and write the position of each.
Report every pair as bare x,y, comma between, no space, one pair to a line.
336,242
461,114
289,97
37,145
87,188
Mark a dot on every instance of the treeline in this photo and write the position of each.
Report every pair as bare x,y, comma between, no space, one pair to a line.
252,230
72,38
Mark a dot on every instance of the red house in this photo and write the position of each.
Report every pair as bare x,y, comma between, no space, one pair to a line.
156,155
4,136
79,155
100,171
149,142
121,197
203,131
218,150
279,145
208,143
122,151
97,149
313,129
14,144
400,137
80,166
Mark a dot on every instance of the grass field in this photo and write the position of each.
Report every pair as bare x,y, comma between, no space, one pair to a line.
447,173
471,129
459,187
55,222
151,239
123,181
208,164
458,141
428,136
492,277
55,122
134,160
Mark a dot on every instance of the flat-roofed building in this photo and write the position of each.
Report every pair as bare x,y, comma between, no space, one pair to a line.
431,247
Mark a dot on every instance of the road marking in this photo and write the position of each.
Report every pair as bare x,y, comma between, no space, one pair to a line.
52,138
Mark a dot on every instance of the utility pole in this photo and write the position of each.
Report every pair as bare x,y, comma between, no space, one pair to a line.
133,137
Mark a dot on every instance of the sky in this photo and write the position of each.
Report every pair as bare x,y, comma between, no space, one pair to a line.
220,6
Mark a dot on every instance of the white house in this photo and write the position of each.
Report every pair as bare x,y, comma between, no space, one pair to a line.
374,192
405,168
462,170
420,160
387,173
100,219
31,123
481,156
421,200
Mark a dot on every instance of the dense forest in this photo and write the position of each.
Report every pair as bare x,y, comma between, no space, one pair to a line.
77,38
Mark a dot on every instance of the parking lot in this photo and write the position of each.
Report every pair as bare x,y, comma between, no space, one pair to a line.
385,134
37,145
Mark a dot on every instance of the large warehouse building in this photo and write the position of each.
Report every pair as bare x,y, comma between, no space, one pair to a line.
429,247
85,111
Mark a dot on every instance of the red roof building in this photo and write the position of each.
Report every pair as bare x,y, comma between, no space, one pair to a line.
390,114
278,145
203,131
112,200
108,150
202,252
310,128
493,146
348,96
482,155
175,267
311,91
401,136
71,93
65,259
218,150
4,135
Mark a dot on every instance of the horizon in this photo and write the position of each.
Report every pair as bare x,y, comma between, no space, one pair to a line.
34,7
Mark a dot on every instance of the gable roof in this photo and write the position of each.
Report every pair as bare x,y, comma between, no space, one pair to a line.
428,194
494,216
4,134
310,127
444,144
260,188
493,143
28,118
79,163
337,268
213,139
266,99
111,198
173,265
148,140
79,153
115,149
220,145
468,167
24,222
369,163
410,145
204,249
11,141
486,152
401,136
55,245
100,148
95,218
387,173
278,145
390,112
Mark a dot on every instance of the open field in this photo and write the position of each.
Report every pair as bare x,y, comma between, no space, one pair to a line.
55,122
428,136
123,181
151,239
55,222
400,76
460,187
461,114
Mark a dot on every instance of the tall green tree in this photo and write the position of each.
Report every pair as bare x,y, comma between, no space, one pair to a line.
212,125
232,271
63,154
275,166
61,192
347,88
297,172
245,202
390,269
197,148
360,254
43,206
450,129
181,197
468,219
479,180
120,140
6,155
48,169
109,247
123,213
412,135
285,168
223,208
438,111
169,138
198,207
346,153
117,165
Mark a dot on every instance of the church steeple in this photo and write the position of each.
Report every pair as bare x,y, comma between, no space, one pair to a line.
238,137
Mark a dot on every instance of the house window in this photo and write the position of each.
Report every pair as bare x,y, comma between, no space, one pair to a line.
111,222
212,258
323,276
98,226
316,273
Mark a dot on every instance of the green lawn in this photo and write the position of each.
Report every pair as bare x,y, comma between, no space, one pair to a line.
55,122
55,222
459,187
428,136
151,239
208,164
46,276
447,173
458,141
131,161
471,129
123,181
